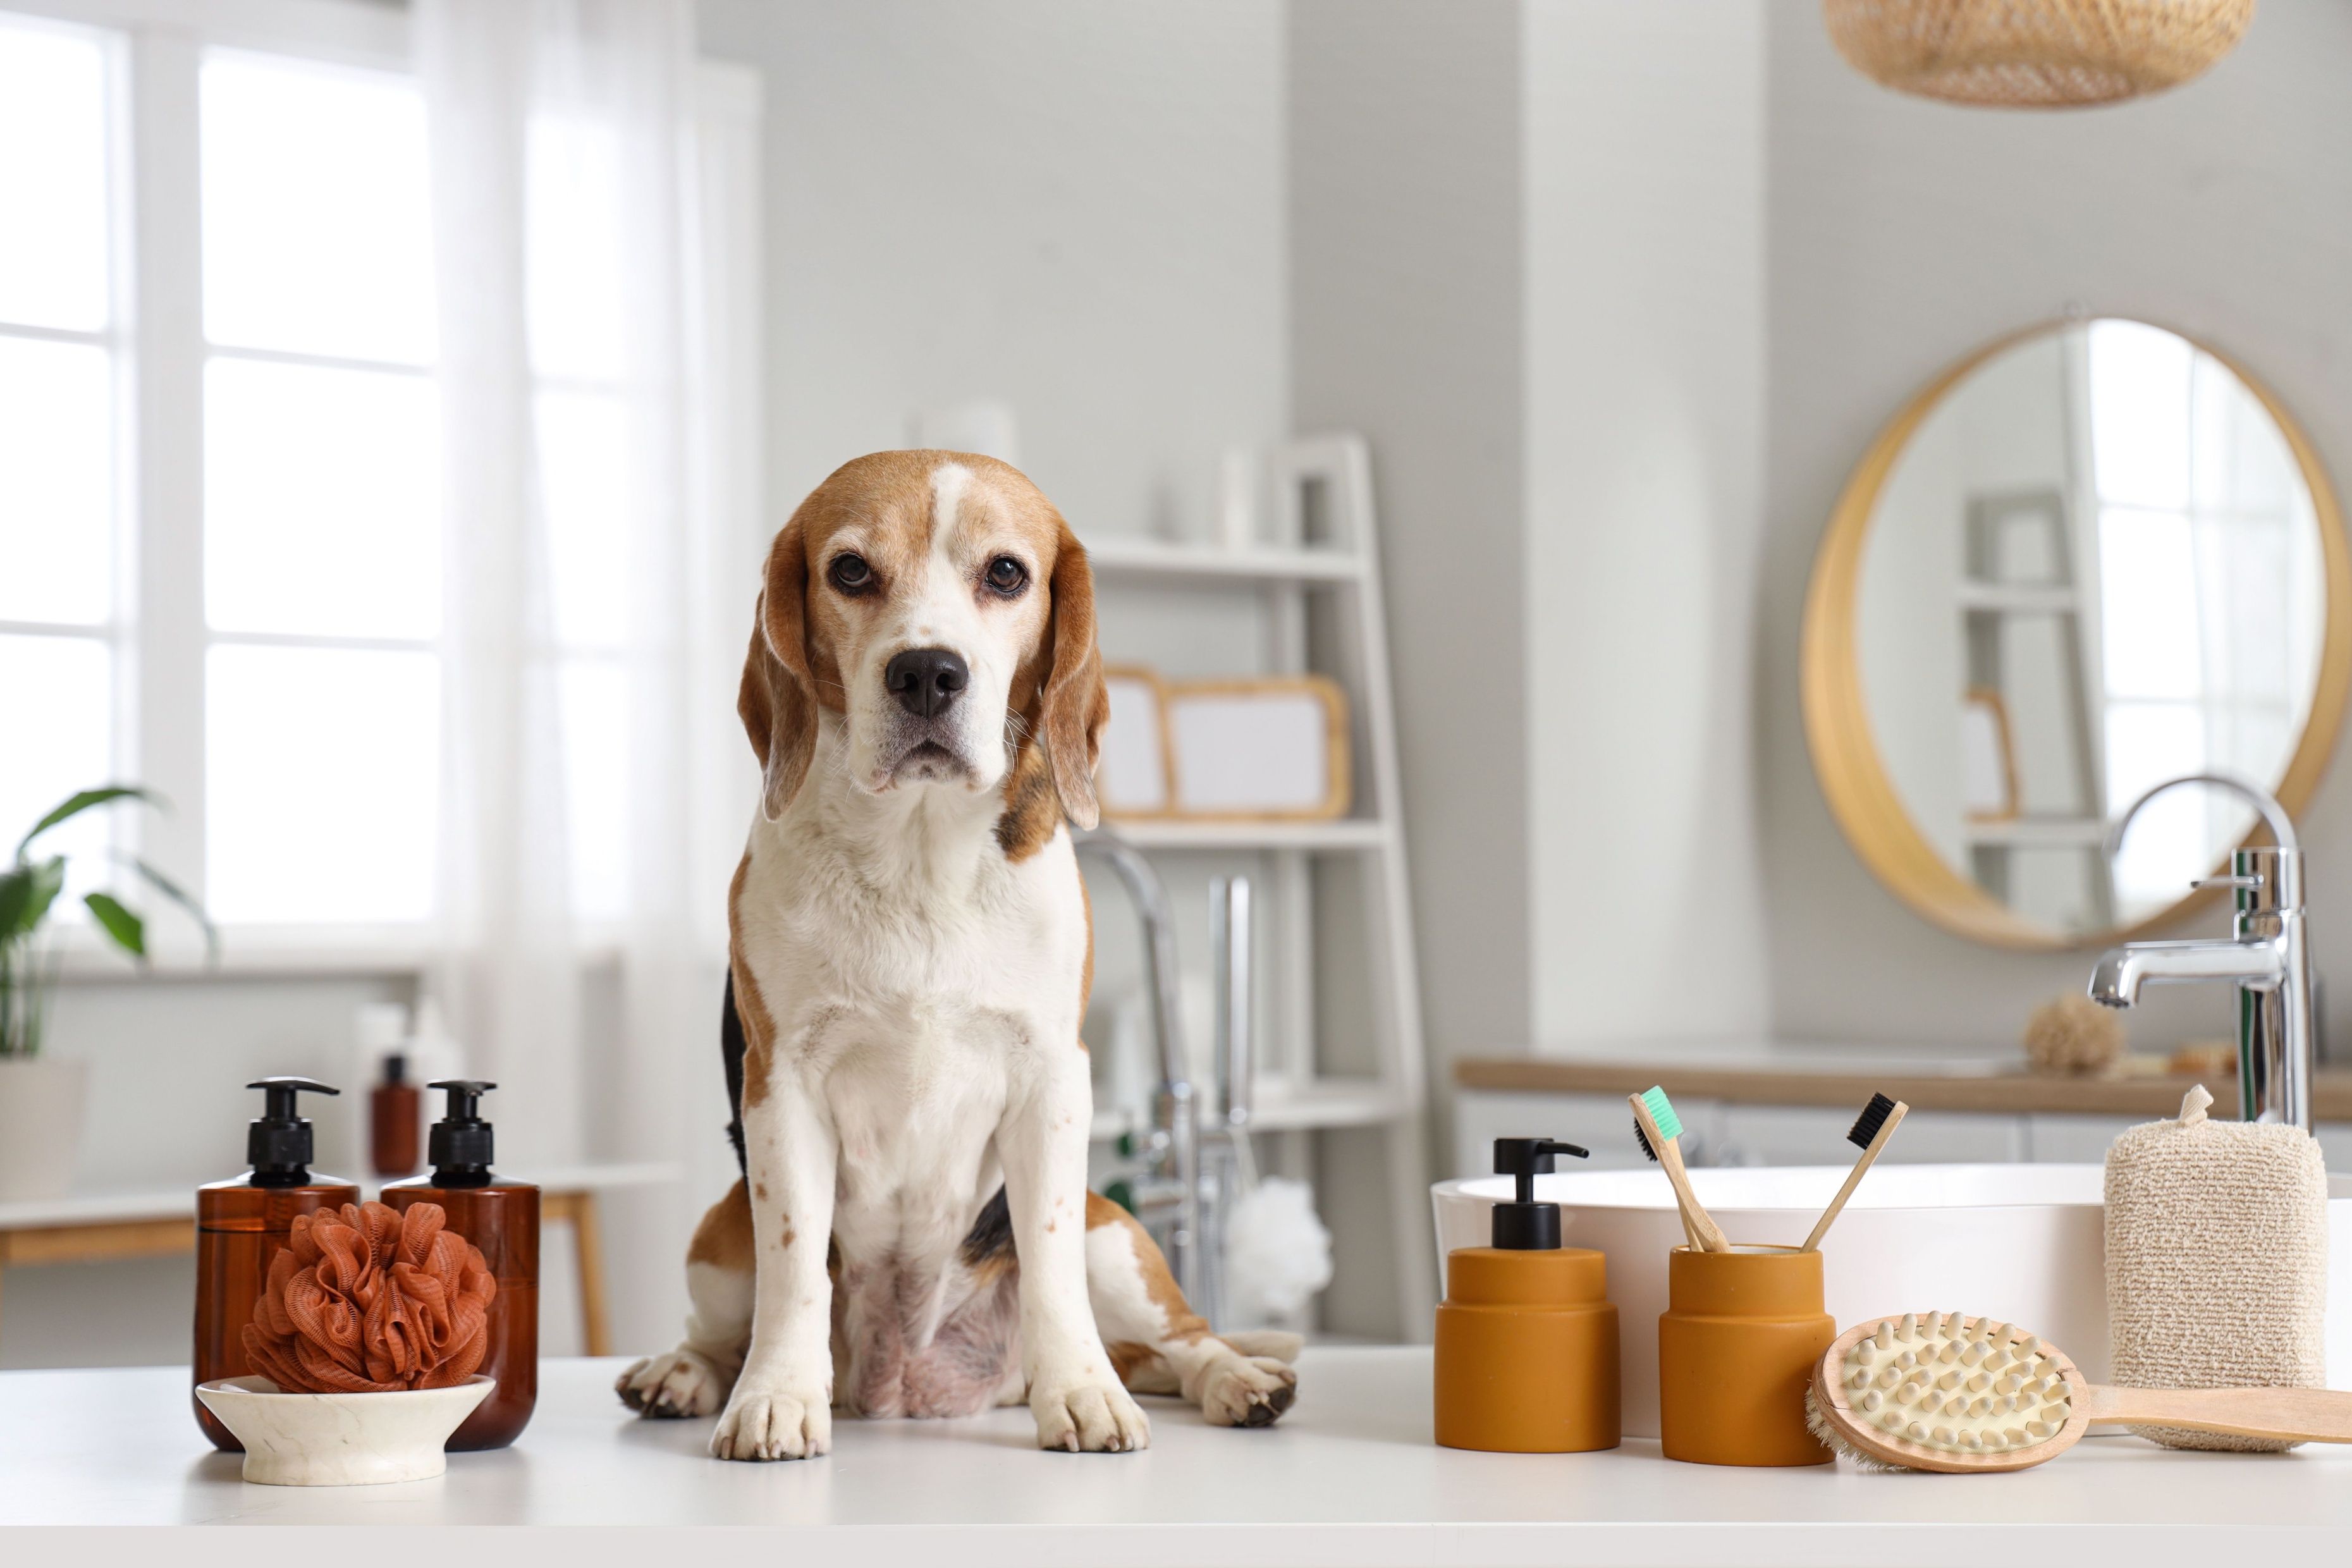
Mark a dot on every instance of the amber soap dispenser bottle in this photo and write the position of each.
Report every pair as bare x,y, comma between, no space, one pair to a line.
392,1119
502,1219
1527,1338
242,1224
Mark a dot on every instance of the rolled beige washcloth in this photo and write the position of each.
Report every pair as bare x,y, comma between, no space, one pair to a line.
2217,1260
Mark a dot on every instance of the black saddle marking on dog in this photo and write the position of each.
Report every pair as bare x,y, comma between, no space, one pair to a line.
992,1233
730,1050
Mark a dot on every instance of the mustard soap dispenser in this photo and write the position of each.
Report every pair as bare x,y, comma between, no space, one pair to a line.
1527,1338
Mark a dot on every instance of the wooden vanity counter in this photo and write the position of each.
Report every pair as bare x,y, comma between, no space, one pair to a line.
1990,1089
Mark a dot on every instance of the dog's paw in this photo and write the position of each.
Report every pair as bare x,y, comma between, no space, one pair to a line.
1276,1344
1089,1415
675,1383
773,1426
1248,1391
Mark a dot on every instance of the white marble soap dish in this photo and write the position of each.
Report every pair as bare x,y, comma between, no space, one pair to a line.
340,1439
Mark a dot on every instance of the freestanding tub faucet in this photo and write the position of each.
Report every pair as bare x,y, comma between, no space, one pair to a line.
2268,954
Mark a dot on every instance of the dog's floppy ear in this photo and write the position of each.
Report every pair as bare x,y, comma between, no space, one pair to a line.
775,700
1077,703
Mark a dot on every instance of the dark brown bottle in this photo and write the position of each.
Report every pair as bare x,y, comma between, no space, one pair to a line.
502,1219
393,1121
242,1224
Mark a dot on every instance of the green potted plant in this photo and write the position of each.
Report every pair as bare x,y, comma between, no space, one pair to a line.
41,1096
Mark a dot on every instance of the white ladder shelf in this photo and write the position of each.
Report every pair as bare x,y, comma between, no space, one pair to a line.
1352,1105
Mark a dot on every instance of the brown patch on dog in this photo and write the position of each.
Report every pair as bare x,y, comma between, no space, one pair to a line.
1077,703
1127,1358
760,1191
751,1007
991,1269
987,1250
1086,981
777,697
885,496
1033,812
785,1240
1183,1324
723,1239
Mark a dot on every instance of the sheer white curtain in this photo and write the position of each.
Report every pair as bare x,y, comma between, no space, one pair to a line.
583,549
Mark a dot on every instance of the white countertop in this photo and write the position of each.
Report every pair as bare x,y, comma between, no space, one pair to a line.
1349,1478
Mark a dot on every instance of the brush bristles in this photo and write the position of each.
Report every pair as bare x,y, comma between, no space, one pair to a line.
1874,1117
1834,1440
1644,1140
1662,1111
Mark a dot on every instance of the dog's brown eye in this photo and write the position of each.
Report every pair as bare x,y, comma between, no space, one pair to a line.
1007,577
850,572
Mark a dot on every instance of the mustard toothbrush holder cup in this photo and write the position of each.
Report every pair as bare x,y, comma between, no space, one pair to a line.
1736,1346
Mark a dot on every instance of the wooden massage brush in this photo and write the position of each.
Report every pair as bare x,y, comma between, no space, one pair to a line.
1938,1391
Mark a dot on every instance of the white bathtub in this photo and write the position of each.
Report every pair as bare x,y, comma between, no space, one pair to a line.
2025,1243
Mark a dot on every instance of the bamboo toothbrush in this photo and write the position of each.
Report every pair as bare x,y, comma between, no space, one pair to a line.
1871,1131
1938,1391
1659,1130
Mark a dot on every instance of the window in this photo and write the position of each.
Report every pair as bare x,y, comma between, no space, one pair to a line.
220,524
62,490
2204,537
321,579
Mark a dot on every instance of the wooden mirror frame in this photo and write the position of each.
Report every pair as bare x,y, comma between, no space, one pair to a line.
1846,761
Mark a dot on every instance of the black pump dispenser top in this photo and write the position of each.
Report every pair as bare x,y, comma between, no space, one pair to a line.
278,1145
1524,1224
460,1146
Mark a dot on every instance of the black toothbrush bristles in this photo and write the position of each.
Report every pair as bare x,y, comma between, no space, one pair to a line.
1874,1117
1644,1140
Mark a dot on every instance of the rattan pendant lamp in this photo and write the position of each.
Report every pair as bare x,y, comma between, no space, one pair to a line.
2034,54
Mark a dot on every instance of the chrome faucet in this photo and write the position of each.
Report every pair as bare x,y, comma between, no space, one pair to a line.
1172,1198
2268,954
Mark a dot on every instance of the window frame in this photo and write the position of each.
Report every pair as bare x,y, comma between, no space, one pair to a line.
155,333
116,339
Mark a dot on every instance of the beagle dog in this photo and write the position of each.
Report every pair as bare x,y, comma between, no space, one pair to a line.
911,951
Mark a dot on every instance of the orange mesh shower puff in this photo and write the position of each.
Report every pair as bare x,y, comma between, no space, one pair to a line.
371,1301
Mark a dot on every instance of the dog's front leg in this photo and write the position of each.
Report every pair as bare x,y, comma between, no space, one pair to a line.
782,1406
1077,1398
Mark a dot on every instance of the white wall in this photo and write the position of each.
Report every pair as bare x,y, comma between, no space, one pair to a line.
1405,307
1903,234
1644,419
1078,209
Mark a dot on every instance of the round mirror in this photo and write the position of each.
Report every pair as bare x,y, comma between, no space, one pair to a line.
2089,558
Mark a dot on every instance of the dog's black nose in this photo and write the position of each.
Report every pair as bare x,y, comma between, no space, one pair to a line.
925,679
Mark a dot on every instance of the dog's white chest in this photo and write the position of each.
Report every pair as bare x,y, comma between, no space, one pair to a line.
930,953
909,999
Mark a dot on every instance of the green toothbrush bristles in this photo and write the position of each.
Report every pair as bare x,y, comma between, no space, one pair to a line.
1662,1111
